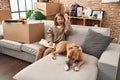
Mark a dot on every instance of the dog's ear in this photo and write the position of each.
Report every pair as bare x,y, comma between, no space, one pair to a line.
70,48
77,46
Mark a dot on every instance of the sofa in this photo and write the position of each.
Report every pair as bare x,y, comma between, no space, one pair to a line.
103,68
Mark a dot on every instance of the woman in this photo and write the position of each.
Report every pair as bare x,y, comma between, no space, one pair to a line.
55,34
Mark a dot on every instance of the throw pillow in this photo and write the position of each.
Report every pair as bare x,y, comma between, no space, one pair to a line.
95,43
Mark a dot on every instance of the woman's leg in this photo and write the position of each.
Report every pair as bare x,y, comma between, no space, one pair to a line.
40,52
48,51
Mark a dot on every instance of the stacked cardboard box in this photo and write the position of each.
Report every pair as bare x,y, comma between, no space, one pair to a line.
49,9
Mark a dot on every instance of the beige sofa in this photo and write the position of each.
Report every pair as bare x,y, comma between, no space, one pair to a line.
104,68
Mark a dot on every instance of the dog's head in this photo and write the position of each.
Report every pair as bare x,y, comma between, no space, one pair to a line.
73,54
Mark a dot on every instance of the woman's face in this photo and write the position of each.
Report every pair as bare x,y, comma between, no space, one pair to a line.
60,20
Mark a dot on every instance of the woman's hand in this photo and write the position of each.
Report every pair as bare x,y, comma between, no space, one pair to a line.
50,43
66,16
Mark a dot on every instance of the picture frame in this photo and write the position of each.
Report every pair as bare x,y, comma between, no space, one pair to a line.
98,14
79,11
87,11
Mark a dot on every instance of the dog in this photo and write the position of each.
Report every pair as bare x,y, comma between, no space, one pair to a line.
73,53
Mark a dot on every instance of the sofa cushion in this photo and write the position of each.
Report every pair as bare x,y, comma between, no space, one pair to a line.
49,69
47,24
10,44
30,48
79,33
95,43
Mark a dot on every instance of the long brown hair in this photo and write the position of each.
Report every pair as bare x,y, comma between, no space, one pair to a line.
55,19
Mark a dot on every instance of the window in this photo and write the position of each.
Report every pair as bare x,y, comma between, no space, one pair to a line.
20,7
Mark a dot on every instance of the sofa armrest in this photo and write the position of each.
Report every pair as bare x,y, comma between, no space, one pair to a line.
1,31
108,63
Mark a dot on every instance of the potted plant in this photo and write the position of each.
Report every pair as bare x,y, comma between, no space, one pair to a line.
95,16
36,15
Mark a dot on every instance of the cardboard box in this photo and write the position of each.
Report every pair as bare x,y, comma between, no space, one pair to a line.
25,33
49,7
50,17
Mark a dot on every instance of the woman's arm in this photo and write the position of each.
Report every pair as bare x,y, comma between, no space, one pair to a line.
68,27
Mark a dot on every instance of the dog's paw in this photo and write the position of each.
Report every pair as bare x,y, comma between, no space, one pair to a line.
54,58
76,69
66,68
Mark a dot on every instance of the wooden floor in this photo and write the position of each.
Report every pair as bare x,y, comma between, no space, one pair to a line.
9,66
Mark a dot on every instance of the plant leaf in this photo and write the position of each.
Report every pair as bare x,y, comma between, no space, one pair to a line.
29,13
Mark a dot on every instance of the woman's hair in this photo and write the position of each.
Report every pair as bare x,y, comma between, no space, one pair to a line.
55,19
